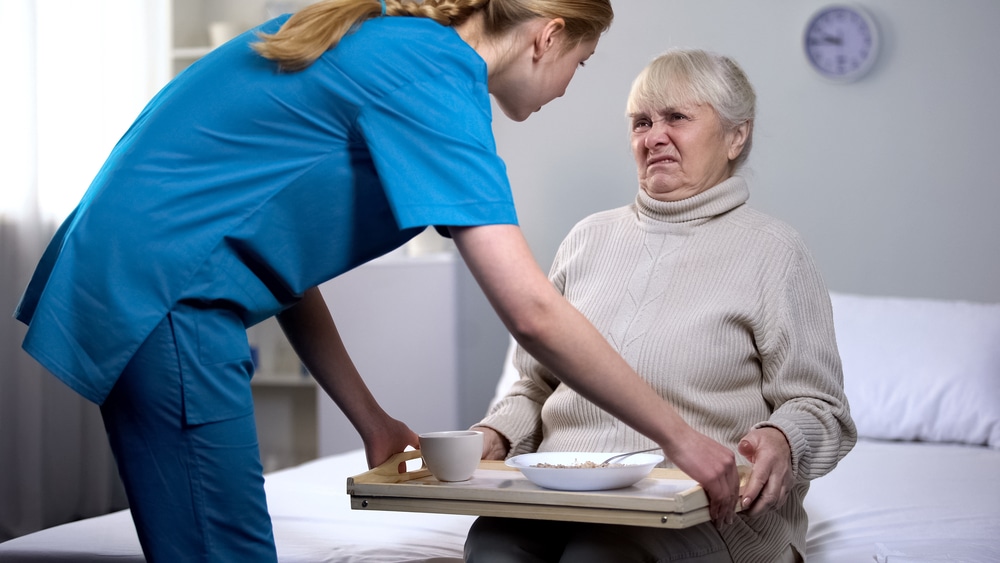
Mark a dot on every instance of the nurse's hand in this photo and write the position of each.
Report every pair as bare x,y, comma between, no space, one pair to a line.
713,466
392,438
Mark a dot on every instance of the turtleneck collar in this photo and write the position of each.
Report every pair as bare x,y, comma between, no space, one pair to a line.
720,198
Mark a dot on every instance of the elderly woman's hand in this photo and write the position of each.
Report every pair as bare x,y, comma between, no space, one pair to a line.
771,478
495,445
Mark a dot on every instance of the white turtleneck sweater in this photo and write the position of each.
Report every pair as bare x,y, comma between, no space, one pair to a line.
722,310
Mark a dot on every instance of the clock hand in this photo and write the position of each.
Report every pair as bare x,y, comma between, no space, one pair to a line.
826,40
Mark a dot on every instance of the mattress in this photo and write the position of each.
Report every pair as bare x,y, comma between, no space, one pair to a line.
311,516
920,486
892,502
907,502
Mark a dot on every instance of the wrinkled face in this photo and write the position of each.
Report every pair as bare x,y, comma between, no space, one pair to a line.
530,85
682,151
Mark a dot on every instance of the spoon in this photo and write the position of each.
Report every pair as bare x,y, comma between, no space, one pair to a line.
619,457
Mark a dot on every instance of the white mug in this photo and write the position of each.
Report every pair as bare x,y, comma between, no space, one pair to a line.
452,455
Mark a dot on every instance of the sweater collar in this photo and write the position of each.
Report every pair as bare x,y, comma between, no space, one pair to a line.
720,198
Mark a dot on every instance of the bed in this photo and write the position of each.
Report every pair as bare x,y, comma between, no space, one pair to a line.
922,484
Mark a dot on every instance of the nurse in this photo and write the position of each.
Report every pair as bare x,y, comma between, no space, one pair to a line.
284,158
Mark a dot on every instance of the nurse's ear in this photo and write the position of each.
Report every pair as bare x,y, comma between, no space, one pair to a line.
549,38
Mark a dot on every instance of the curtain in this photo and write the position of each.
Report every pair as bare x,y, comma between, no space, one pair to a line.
79,74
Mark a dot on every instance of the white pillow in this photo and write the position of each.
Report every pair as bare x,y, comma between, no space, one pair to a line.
919,369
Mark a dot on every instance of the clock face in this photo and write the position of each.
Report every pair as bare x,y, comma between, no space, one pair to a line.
841,42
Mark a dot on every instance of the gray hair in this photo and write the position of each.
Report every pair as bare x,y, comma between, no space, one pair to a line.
693,76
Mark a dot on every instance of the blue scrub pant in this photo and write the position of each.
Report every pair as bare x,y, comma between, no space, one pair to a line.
196,491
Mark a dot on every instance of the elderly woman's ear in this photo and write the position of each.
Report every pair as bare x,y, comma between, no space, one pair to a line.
738,139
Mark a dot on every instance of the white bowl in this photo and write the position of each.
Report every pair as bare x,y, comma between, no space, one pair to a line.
632,470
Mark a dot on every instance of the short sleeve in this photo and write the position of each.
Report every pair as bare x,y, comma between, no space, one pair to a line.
433,149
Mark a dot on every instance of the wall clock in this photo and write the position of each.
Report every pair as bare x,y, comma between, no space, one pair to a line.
841,42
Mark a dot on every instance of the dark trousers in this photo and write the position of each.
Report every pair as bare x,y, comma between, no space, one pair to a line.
510,540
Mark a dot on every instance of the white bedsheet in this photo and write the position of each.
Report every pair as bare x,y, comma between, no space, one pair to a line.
907,502
312,519
888,502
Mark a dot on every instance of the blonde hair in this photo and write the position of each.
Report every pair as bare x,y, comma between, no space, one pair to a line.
316,28
693,76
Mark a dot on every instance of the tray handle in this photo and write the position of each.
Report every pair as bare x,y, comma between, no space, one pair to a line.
388,472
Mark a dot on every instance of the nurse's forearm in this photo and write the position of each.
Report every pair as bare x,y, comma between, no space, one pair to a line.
313,334
558,335
563,340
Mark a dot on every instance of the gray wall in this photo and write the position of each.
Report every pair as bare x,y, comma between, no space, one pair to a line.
890,180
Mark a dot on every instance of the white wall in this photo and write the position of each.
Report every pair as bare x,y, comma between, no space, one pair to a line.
890,180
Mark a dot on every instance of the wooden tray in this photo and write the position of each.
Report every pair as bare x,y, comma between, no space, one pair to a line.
666,499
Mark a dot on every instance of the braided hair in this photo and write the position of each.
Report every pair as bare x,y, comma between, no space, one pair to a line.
313,30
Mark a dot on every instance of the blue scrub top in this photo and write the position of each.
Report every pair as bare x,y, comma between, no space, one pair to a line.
240,187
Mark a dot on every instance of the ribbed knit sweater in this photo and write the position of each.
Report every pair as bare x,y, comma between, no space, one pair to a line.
723,311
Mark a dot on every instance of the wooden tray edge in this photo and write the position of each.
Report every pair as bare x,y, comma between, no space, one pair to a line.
538,512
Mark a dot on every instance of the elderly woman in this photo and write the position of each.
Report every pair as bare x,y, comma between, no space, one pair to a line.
718,306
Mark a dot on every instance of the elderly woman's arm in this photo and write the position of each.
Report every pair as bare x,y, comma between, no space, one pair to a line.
514,425
811,428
